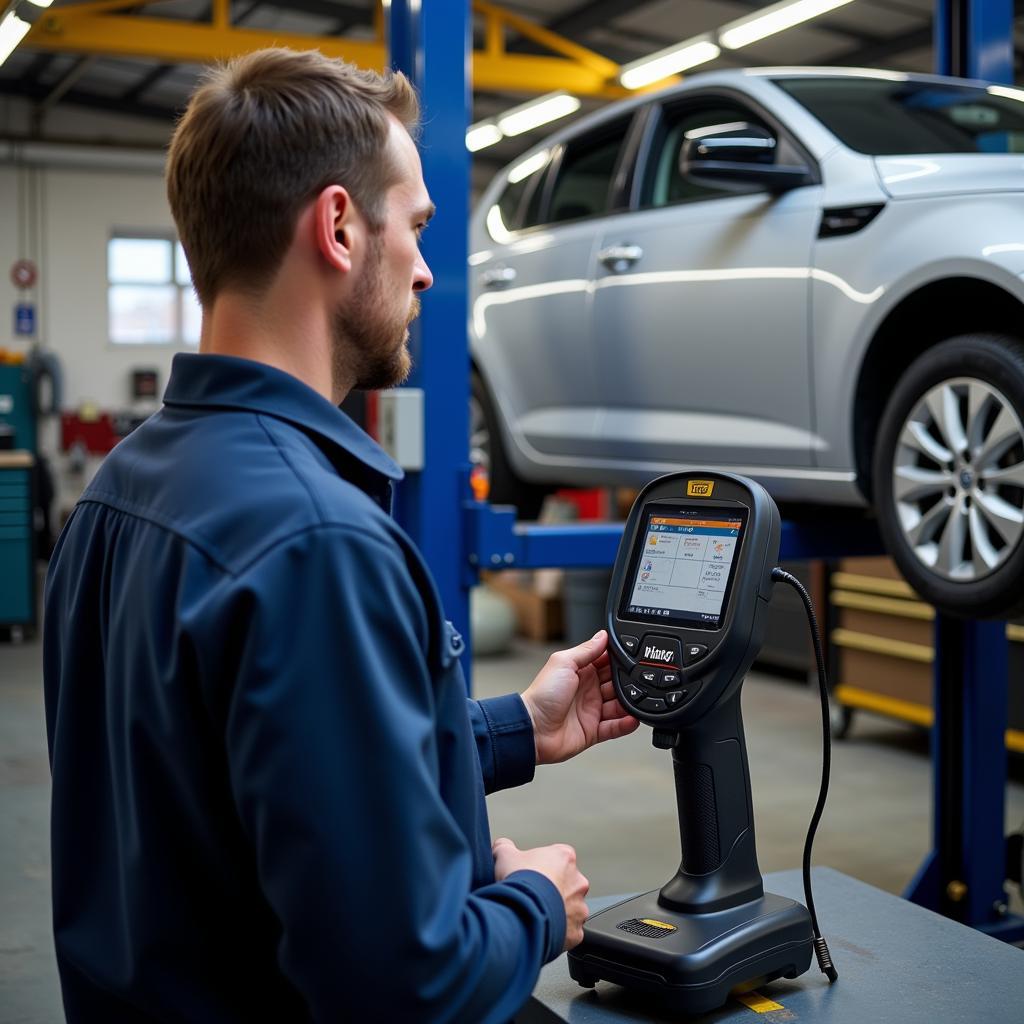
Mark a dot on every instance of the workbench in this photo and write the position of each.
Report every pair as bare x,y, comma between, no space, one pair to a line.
897,963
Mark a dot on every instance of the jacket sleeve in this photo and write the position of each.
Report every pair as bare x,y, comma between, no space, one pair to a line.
504,741
334,767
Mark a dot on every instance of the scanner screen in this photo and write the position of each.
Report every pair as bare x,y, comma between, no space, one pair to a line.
684,565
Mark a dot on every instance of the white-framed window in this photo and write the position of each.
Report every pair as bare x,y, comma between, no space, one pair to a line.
149,291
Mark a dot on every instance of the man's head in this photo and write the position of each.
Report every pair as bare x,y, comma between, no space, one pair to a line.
279,138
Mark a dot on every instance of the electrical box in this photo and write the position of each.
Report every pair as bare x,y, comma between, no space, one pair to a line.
400,426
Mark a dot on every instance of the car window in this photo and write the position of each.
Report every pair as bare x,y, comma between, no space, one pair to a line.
509,202
532,215
525,186
583,185
882,117
666,183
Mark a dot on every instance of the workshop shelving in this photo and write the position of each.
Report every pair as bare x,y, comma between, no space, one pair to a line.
884,649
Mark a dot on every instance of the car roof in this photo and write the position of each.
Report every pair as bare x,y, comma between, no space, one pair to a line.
746,79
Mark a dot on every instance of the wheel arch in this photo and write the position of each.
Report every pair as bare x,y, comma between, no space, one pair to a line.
941,309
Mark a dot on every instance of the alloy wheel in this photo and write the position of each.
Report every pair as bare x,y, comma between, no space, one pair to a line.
958,479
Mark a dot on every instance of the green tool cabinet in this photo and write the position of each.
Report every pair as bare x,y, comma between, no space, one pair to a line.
17,569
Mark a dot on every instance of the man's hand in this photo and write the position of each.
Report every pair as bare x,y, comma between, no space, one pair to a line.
572,702
557,863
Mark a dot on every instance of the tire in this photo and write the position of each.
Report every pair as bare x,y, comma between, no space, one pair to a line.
487,450
948,474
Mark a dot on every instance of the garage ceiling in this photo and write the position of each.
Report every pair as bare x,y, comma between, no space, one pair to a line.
881,33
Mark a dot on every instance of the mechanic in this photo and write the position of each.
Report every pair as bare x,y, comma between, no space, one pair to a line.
268,793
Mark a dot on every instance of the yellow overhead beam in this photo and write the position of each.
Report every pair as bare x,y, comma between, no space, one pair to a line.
66,30
93,29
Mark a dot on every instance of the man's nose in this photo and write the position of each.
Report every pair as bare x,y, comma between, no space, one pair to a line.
422,278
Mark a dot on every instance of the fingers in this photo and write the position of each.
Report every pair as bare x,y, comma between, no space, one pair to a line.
502,843
615,728
576,912
587,652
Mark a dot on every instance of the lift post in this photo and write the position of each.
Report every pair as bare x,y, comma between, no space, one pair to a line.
963,876
431,43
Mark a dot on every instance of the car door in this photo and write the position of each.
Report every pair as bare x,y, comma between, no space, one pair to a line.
531,297
700,309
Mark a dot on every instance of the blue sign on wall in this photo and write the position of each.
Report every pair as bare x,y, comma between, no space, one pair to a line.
25,318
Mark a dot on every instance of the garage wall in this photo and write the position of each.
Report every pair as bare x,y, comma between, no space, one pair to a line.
82,208
62,217
77,211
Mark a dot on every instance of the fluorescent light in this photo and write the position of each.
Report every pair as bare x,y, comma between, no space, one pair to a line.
12,30
528,166
483,134
41,3
1007,92
541,111
668,62
773,19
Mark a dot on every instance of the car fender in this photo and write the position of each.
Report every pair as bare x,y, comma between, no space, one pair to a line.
860,279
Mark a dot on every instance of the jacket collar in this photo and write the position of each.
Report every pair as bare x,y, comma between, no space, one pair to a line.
227,382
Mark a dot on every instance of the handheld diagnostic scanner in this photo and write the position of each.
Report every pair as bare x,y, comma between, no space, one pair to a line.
686,616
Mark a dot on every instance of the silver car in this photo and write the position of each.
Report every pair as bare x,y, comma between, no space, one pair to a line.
809,276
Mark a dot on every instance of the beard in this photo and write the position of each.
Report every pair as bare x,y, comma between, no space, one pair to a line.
369,337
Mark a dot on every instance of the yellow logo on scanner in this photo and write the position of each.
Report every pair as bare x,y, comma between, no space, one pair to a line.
700,488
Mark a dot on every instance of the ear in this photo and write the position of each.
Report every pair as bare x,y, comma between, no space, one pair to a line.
338,228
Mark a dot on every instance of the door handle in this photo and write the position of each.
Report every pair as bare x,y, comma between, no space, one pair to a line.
618,258
498,277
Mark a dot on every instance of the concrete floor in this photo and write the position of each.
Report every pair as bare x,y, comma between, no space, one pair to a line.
615,804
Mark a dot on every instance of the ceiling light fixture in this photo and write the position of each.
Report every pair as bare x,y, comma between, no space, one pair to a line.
773,19
540,111
12,30
671,61
483,134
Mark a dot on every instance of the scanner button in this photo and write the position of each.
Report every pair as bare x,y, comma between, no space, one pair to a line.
629,643
669,678
649,676
660,650
634,693
694,652
676,697
653,704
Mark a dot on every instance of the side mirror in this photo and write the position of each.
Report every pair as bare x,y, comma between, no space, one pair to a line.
738,154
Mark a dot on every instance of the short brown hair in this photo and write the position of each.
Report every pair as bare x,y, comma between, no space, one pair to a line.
262,136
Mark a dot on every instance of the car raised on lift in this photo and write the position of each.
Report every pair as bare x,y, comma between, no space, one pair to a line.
812,277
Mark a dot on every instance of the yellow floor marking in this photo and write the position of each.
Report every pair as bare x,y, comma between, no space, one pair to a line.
757,1002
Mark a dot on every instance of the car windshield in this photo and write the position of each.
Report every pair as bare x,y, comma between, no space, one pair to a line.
884,117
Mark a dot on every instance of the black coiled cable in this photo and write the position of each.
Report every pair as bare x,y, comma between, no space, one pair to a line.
820,946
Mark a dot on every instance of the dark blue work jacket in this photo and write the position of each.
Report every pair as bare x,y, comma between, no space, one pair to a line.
268,784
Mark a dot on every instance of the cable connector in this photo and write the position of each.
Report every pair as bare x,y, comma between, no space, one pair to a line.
825,959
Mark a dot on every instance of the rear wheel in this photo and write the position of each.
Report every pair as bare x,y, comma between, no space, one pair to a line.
487,456
949,476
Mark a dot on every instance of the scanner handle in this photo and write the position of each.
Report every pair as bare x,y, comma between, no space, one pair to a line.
719,867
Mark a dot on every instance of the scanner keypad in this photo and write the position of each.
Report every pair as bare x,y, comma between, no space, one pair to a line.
656,683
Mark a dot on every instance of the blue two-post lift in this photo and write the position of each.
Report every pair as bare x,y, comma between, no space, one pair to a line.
963,875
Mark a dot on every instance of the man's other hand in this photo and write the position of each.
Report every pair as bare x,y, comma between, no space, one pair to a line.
572,702
557,863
